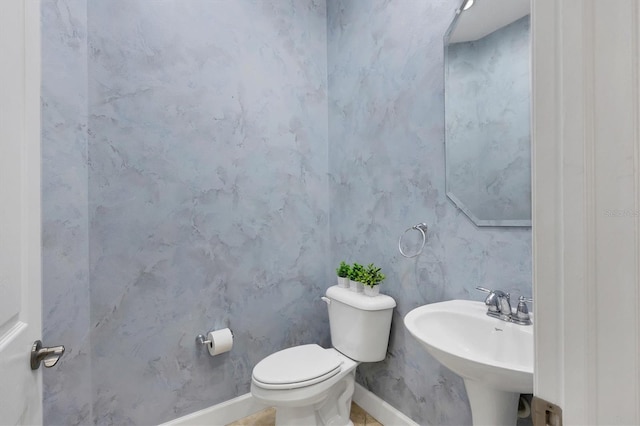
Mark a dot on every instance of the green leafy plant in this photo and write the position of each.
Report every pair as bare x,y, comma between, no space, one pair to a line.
357,272
372,276
343,270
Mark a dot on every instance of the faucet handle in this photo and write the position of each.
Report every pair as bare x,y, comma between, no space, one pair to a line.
522,312
498,293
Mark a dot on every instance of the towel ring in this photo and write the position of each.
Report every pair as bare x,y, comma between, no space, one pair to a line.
422,227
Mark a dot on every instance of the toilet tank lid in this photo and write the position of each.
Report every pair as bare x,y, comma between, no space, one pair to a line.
360,300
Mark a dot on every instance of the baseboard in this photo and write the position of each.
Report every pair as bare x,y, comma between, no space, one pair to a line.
381,410
245,405
221,414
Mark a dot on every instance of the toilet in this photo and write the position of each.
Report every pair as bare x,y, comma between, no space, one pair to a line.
311,385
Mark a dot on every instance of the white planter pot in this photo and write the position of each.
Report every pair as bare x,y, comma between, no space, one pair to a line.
372,291
343,282
355,286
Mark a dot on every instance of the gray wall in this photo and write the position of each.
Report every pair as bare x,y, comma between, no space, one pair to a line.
207,198
65,218
386,163
191,181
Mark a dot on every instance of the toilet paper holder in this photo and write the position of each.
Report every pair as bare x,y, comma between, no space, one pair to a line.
202,340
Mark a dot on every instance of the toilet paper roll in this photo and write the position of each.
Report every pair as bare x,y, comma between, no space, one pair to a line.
220,341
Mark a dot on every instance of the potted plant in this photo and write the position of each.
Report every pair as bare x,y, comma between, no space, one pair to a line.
371,278
343,274
355,277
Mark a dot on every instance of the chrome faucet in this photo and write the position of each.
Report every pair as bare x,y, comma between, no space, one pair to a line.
499,306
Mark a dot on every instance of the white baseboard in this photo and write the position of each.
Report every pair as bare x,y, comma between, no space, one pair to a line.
221,414
381,410
245,405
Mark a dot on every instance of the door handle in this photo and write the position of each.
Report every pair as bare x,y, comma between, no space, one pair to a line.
50,356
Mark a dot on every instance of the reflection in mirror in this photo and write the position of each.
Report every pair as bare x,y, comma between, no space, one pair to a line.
487,112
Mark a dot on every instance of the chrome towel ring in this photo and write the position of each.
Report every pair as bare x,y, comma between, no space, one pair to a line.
422,227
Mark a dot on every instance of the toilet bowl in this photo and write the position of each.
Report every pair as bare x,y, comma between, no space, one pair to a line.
311,385
316,389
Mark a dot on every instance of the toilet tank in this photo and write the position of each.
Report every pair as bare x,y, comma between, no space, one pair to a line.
359,324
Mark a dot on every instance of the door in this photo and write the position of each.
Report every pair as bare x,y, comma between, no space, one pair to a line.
586,227
20,317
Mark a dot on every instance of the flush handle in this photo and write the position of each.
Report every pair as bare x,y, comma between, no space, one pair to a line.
326,300
50,356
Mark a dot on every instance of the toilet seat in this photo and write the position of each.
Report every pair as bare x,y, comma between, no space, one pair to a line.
296,367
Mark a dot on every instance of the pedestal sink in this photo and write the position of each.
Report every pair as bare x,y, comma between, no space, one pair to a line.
494,357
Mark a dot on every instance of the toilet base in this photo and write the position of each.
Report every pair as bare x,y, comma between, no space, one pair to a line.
295,416
333,410
331,407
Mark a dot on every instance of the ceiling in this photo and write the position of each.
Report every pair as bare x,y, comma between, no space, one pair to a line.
486,16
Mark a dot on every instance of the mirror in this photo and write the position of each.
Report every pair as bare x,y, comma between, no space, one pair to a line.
487,112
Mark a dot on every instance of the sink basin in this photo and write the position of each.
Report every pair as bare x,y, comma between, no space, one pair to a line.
494,357
460,335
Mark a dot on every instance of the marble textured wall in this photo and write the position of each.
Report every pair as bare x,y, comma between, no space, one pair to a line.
65,233
208,196
205,194
488,98
386,162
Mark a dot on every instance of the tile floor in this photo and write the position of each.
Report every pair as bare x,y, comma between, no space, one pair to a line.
267,417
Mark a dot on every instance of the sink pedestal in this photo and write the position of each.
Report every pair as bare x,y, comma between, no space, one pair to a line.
491,407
